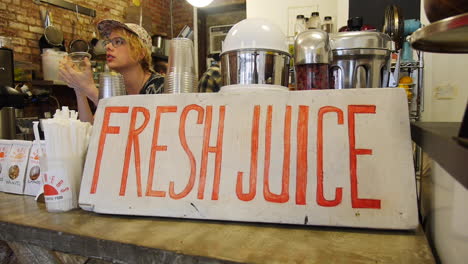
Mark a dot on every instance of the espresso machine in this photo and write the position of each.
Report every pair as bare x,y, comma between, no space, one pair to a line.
6,63
10,99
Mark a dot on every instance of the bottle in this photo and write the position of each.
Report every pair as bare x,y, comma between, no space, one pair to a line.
327,25
314,21
355,24
299,26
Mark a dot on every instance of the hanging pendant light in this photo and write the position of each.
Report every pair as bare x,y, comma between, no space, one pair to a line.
199,3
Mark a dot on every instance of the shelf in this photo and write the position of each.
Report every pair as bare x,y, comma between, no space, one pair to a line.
160,57
408,65
47,83
449,35
438,140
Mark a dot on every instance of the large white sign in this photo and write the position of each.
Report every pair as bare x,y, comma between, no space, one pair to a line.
334,158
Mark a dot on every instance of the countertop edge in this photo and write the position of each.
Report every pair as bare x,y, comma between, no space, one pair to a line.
94,247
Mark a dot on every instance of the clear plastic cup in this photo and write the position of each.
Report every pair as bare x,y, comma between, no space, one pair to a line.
111,84
181,77
78,59
50,64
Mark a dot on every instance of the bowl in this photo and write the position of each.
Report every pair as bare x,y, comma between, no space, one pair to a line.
440,9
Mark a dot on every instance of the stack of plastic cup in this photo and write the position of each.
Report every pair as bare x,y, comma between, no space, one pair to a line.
111,84
181,77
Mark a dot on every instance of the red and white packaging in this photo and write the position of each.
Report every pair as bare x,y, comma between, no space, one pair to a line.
16,163
34,173
5,146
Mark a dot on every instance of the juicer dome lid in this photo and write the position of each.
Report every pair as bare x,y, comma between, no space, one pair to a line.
255,33
360,40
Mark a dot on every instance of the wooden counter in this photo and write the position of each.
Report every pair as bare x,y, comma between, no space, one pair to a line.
164,240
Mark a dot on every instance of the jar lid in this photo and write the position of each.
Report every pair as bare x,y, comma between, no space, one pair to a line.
300,16
360,40
312,46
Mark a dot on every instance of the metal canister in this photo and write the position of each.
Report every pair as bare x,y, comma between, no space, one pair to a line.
312,59
361,59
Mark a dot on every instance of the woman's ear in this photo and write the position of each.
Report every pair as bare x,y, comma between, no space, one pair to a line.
141,56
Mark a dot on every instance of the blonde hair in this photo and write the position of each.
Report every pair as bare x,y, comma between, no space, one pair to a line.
137,49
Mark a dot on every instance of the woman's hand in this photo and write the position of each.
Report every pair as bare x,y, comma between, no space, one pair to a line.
81,80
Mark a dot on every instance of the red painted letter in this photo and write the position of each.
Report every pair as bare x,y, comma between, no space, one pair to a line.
302,145
106,129
353,152
155,147
133,140
183,141
253,161
218,150
284,195
339,191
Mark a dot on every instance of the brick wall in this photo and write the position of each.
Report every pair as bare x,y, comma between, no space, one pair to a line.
182,13
20,20
159,10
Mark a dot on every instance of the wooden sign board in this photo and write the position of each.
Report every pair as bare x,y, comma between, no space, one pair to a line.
332,158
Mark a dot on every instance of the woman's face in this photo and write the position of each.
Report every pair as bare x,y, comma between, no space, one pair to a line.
118,53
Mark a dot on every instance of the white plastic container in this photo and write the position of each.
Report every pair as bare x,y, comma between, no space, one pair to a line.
50,64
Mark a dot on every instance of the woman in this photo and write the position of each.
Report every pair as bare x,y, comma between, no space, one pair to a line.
128,52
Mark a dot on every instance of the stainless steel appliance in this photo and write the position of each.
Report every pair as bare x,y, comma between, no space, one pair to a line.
7,123
255,66
159,44
10,99
361,59
6,67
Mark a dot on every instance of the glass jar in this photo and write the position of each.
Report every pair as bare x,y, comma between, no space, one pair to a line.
300,25
314,21
327,24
